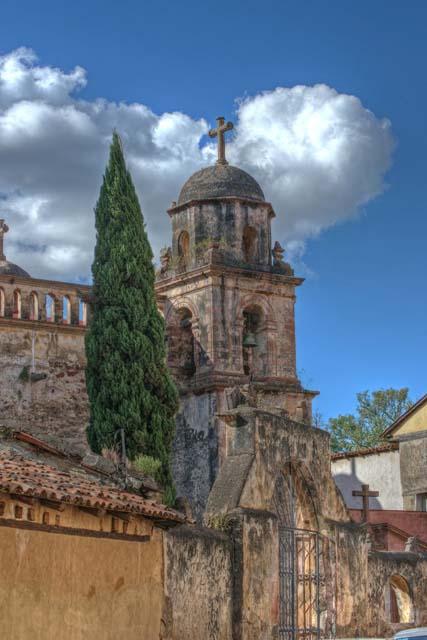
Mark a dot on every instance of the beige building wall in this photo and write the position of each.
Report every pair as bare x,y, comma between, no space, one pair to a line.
73,587
415,422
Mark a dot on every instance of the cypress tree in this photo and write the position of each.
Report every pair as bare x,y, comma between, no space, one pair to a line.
128,383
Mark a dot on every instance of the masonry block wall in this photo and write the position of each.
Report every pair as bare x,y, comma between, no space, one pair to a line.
42,358
411,568
198,585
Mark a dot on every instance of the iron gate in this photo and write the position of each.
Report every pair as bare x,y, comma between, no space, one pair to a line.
300,581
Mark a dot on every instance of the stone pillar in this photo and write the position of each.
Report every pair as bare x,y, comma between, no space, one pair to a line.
256,574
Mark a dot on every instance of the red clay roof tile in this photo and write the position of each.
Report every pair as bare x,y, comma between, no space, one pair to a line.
27,477
389,446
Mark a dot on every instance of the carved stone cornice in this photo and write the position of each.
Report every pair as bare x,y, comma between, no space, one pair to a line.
223,200
39,325
220,269
216,380
45,284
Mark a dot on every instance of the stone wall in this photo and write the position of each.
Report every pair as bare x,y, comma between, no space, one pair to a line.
195,449
198,585
382,566
349,551
256,574
42,360
258,446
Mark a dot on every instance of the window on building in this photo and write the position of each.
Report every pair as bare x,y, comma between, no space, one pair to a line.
66,310
2,303
250,244
34,306
422,502
184,248
401,607
17,308
50,308
82,313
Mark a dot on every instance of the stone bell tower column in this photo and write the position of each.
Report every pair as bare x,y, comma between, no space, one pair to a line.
228,301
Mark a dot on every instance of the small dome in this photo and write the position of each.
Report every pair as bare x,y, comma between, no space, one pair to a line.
220,181
9,269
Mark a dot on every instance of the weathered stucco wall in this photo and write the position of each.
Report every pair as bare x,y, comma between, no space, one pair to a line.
349,549
74,587
382,566
258,446
195,449
53,400
198,585
381,471
413,465
42,357
256,574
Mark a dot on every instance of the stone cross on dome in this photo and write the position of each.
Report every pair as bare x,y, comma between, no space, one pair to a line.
219,132
3,229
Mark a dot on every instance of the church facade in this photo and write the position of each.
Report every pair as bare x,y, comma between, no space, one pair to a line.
274,538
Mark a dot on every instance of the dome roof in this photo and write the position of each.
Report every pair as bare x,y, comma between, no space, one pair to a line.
9,269
220,181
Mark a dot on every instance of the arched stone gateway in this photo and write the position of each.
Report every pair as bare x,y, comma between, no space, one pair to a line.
300,551
275,487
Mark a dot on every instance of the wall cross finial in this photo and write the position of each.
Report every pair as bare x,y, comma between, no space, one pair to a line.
219,132
365,494
3,229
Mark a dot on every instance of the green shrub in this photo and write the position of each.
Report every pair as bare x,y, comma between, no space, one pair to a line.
147,465
220,521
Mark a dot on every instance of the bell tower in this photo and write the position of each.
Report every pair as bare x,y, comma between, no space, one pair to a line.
228,300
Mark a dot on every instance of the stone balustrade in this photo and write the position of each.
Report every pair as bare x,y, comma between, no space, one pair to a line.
45,301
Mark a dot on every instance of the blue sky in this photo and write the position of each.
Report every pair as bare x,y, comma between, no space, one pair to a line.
361,314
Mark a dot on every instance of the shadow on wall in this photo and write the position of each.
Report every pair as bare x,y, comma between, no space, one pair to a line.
348,482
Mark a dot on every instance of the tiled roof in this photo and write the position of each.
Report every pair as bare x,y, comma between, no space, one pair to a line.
390,446
20,475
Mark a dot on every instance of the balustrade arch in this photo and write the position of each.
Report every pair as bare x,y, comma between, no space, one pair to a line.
34,306
17,305
37,305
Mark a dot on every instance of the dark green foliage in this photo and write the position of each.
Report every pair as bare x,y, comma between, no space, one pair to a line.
375,412
128,383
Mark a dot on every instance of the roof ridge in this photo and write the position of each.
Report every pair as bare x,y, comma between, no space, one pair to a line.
388,446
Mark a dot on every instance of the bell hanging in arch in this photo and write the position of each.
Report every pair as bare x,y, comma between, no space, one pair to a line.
249,340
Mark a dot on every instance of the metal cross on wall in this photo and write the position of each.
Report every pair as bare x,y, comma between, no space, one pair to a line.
3,229
219,132
365,494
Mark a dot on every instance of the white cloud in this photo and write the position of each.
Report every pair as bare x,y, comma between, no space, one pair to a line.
318,155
